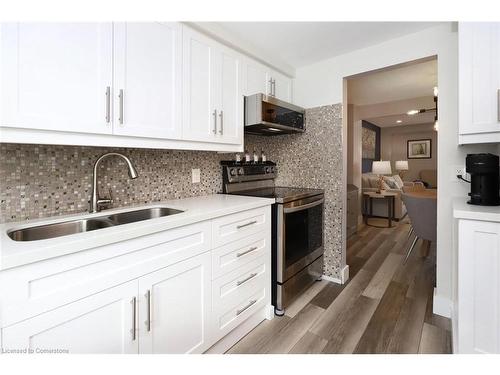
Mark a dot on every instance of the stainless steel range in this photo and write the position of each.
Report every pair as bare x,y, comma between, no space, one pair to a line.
297,227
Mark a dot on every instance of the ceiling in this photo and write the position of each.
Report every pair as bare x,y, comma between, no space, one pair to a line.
391,120
304,43
405,82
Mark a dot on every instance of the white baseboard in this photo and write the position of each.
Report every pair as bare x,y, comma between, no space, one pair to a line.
441,305
239,332
344,276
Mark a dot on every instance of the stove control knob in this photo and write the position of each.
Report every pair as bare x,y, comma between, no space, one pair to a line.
240,171
232,171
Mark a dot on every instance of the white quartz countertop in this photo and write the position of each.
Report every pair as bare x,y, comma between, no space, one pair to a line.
196,209
463,210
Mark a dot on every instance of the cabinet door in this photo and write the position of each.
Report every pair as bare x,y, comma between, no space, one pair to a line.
479,77
56,75
148,73
282,87
479,287
256,78
199,91
101,323
229,98
175,307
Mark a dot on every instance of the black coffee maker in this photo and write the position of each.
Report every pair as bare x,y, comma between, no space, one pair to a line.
484,175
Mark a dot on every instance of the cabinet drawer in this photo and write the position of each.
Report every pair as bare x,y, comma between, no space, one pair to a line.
239,294
230,290
236,254
237,226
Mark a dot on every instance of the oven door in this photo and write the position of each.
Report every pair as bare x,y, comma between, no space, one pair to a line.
300,235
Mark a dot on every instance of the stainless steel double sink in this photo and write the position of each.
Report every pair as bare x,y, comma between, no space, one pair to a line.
65,228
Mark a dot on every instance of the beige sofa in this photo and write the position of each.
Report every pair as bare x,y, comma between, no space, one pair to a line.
368,184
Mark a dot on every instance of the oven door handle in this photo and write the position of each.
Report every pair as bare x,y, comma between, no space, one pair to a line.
304,206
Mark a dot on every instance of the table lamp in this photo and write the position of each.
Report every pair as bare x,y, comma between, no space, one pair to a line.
401,167
381,168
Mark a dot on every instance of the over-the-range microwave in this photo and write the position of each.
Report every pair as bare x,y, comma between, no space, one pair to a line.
266,115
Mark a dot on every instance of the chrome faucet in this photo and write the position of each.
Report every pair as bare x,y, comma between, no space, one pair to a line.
96,202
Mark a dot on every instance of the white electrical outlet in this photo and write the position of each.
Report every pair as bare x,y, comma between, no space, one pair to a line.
458,170
195,176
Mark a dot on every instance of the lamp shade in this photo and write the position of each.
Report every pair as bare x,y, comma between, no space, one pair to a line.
381,167
402,165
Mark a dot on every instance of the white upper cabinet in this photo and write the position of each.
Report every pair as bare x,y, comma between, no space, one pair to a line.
229,97
55,76
213,99
479,82
257,79
147,79
261,79
282,87
199,112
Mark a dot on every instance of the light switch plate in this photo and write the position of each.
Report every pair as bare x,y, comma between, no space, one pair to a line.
195,175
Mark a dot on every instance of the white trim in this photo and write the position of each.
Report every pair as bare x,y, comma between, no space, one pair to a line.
50,137
228,341
344,276
441,305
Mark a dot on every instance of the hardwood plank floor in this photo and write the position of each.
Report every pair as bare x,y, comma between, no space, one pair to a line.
385,307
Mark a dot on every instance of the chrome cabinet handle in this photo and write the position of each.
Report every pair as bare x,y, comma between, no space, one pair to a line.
498,105
270,87
247,251
215,121
120,118
274,87
221,115
108,104
247,224
250,277
148,320
238,312
134,308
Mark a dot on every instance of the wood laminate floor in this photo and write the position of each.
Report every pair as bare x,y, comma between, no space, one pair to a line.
386,307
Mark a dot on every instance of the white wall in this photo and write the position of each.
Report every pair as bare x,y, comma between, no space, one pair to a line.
322,83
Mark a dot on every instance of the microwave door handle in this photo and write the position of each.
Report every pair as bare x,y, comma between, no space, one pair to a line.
303,207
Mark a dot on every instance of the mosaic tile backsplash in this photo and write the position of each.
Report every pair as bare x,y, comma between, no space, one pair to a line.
314,159
40,181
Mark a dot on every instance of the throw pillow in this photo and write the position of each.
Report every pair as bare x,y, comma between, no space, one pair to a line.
399,181
391,182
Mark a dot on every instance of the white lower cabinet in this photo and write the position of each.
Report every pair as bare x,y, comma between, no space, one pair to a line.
101,323
478,287
177,291
175,308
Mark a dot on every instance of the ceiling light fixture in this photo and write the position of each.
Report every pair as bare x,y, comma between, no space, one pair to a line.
415,111
399,122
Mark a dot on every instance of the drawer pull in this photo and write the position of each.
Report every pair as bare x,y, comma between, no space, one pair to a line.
238,283
247,251
148,321
134,317
238,312
247,224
